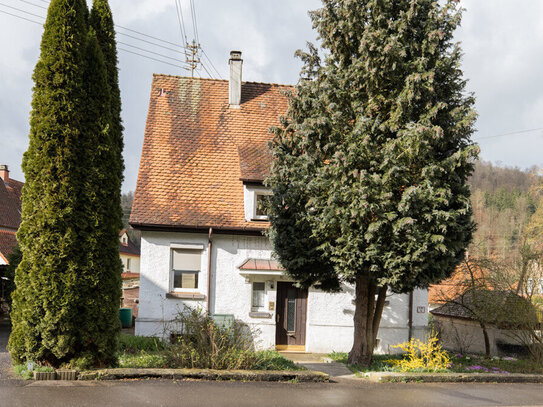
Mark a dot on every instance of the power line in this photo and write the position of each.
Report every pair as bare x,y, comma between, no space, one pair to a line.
151,52
154,59
211,63
22,18
180,19
150,36
152,43
203,66
194,25
511,134
21,11
120,26
33,4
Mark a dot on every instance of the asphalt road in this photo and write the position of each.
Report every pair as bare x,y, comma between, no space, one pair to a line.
194,393
345,392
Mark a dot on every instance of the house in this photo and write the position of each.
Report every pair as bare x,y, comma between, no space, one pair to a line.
10,213
10,219
130,257
508,319
201,174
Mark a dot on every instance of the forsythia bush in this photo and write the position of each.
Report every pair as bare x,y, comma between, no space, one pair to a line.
422,356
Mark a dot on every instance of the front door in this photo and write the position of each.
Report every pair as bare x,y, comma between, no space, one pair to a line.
291,317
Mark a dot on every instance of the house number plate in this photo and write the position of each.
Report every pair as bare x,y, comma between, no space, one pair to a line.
271,306
421,310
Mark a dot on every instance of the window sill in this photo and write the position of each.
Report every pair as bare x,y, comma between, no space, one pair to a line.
266,315
186,296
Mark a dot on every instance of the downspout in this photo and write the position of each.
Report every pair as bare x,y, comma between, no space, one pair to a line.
209,247
410,321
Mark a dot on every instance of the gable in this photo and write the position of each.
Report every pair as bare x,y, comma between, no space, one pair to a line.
197,150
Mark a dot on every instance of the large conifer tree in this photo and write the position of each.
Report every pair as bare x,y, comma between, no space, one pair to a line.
65,306
371,162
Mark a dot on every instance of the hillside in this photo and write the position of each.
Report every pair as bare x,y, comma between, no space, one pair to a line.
503,201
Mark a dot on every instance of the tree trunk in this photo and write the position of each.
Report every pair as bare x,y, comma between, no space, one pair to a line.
367,317
487,340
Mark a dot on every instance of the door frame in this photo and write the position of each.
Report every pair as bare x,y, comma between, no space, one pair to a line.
281,339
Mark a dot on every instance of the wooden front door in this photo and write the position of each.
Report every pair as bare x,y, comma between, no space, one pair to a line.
291,317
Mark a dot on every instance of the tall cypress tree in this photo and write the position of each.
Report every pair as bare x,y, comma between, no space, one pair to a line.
52,229
101,20
100,276
371,162
69,281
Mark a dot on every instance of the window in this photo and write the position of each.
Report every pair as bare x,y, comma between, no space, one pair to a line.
258,296
185,268
260,209
127,264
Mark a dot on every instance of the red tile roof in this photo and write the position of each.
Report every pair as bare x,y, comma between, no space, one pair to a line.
8,241
197,149
10,204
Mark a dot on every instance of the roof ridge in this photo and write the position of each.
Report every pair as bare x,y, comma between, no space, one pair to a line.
222,80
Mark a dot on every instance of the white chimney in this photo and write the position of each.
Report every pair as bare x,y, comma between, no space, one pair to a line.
234,85
4,173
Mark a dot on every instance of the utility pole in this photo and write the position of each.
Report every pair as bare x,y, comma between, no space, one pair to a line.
193,57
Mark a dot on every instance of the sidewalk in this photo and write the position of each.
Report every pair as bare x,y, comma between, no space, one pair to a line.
5,359
319,362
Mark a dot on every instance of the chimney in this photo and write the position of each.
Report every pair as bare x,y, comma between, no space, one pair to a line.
4,173
234,86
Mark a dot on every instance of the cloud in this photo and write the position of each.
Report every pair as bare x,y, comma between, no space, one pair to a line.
502,45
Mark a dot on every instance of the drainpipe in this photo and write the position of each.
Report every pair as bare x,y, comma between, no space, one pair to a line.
410,322
209,247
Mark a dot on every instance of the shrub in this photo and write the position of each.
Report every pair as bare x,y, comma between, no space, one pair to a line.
205,344
422,356
135,344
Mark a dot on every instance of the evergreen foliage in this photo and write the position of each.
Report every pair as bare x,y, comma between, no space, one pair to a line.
65,306
371,162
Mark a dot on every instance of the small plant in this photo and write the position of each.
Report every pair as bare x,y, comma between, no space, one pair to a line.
26,370
136,344
143,360
422,356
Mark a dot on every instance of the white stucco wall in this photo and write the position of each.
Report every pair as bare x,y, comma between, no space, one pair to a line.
329,325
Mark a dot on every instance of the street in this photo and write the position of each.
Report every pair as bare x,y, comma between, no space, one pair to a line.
343,392
194,393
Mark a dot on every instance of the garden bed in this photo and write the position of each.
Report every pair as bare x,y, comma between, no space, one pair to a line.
462,365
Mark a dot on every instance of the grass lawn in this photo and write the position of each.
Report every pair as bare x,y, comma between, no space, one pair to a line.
459,364
146,352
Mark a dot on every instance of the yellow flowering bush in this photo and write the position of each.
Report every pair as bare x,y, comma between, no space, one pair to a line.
422,356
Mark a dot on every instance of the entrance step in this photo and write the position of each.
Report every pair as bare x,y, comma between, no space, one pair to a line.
319,362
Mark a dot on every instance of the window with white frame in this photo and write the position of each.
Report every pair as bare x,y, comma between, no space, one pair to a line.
127,264
186,264
259,204
259,290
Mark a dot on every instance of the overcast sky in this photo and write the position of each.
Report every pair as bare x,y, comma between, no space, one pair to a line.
503,60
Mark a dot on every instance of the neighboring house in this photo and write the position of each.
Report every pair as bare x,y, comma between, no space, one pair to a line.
503,312
130,256
200,179
10,219
10,213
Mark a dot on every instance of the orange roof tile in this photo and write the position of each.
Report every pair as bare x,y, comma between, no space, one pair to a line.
10,203
198,150
8,241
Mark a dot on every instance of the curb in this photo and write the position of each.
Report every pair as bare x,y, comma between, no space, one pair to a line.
389,377
205,374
